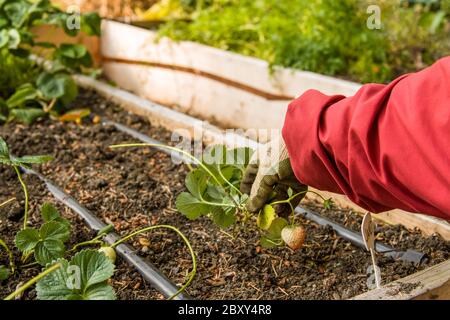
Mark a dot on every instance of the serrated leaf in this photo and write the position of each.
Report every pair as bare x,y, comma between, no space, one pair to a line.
4,273
4,150
17,12
54,286
196,183
190,206
100,291
223,218
24,93
95,267
28,115
83,278
54,86
4,38
34,159
90,24
213,192
276,227
14,39
54,231
49,212
48,250
266,216
26,240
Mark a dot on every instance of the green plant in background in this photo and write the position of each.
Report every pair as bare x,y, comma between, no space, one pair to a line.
214,192
328,37
27,89
7,159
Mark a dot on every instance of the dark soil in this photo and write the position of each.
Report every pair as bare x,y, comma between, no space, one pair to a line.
132,188
126,281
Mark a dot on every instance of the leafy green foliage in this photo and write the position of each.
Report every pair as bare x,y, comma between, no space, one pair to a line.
25,161
213,186
47,243
328,37
4,273
27,91
83,278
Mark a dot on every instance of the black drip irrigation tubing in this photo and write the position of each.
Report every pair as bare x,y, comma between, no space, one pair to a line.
355,238
150,273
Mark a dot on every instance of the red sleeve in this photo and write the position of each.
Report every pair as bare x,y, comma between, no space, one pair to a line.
386,147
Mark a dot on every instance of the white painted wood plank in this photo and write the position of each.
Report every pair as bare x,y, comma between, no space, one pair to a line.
199,96
133,43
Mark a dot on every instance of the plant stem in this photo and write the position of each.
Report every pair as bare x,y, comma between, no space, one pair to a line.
295,195
89,242
10,255
25,191
33,281
29,265
186,241
7,202
228,182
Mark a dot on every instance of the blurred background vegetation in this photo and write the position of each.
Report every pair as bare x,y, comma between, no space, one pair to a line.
325,36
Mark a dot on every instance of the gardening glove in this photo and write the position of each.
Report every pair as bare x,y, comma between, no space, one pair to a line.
268,178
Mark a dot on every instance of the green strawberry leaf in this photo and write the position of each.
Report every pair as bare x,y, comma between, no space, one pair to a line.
190,206
4,150
54,231
49,250
28,115
276,227
4,273
84,278
23,93
50,213
34,159
196,183
96,267
223,218
266,216
26,240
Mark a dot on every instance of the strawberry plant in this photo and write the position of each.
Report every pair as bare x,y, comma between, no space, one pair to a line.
213,191
85,276
47,242
29,90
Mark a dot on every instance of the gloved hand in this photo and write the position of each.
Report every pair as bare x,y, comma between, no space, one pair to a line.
268,178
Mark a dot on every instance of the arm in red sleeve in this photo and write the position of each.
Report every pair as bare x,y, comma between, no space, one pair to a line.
386,147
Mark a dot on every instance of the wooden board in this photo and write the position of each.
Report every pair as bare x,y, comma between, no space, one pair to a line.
431,283
231,90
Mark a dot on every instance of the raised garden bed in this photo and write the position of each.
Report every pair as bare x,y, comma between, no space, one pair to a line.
132,188
192,77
